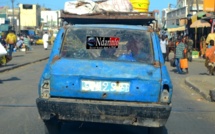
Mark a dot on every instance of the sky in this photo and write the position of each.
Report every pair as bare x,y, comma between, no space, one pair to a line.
59,4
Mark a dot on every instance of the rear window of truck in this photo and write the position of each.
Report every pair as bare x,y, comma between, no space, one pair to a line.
111,44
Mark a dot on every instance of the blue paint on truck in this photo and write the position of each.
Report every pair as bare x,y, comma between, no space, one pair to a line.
121,78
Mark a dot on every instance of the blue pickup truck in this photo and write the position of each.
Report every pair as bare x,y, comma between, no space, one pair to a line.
106,69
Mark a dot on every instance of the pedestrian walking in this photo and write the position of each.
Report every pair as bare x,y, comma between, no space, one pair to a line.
167,48
26,43
185,56
203,46
163,45
11,42
179,54
189,47
210,58
45,40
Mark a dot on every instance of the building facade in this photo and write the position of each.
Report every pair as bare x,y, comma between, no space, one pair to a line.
4,22
164,16
13,17
50,19
30,17
184,7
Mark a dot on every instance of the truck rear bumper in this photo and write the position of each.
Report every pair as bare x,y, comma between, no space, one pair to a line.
128,113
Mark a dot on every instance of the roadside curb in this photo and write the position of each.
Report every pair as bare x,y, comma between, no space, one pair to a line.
198,61
194,87
23,64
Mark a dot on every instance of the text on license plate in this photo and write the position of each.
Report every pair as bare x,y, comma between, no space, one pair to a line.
104,86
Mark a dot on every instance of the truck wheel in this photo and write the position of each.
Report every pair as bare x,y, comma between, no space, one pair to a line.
52,126
159,130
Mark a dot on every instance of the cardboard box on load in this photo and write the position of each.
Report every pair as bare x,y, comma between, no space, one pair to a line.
209,6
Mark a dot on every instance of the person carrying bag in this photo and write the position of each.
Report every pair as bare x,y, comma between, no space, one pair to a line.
11,40
179,55
184,60
210,58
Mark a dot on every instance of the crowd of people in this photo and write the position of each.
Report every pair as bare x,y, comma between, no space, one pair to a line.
183,47
9,43
13,42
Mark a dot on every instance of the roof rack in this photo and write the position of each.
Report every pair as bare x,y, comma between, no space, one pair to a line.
128,18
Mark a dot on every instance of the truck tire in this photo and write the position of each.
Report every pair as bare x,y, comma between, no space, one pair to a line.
52,126
159,130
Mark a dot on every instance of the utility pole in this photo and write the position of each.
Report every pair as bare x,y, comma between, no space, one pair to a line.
190,6
190,9
13,14
197,5
57,19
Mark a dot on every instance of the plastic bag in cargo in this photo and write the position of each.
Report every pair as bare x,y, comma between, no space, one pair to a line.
140,5
115,6
79,7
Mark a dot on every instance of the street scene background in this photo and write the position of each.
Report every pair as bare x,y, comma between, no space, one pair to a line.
191,113
193,109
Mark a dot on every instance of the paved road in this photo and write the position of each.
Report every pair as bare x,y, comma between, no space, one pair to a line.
191,114
203,84
23,58
198,78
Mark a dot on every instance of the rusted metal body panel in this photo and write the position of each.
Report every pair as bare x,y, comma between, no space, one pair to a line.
134,18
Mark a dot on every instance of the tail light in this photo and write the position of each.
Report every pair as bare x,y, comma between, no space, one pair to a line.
45,89
165,96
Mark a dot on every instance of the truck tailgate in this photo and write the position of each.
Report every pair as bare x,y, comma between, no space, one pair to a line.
105,80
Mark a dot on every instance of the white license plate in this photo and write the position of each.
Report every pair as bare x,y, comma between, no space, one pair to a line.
104,86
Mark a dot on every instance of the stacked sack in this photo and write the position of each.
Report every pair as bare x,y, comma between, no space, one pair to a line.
90,6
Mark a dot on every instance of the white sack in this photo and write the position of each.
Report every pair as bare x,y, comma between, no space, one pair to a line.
116,6
90,6
2,50
73,7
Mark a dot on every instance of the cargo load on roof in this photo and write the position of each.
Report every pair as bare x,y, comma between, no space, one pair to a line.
127,18
97,6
